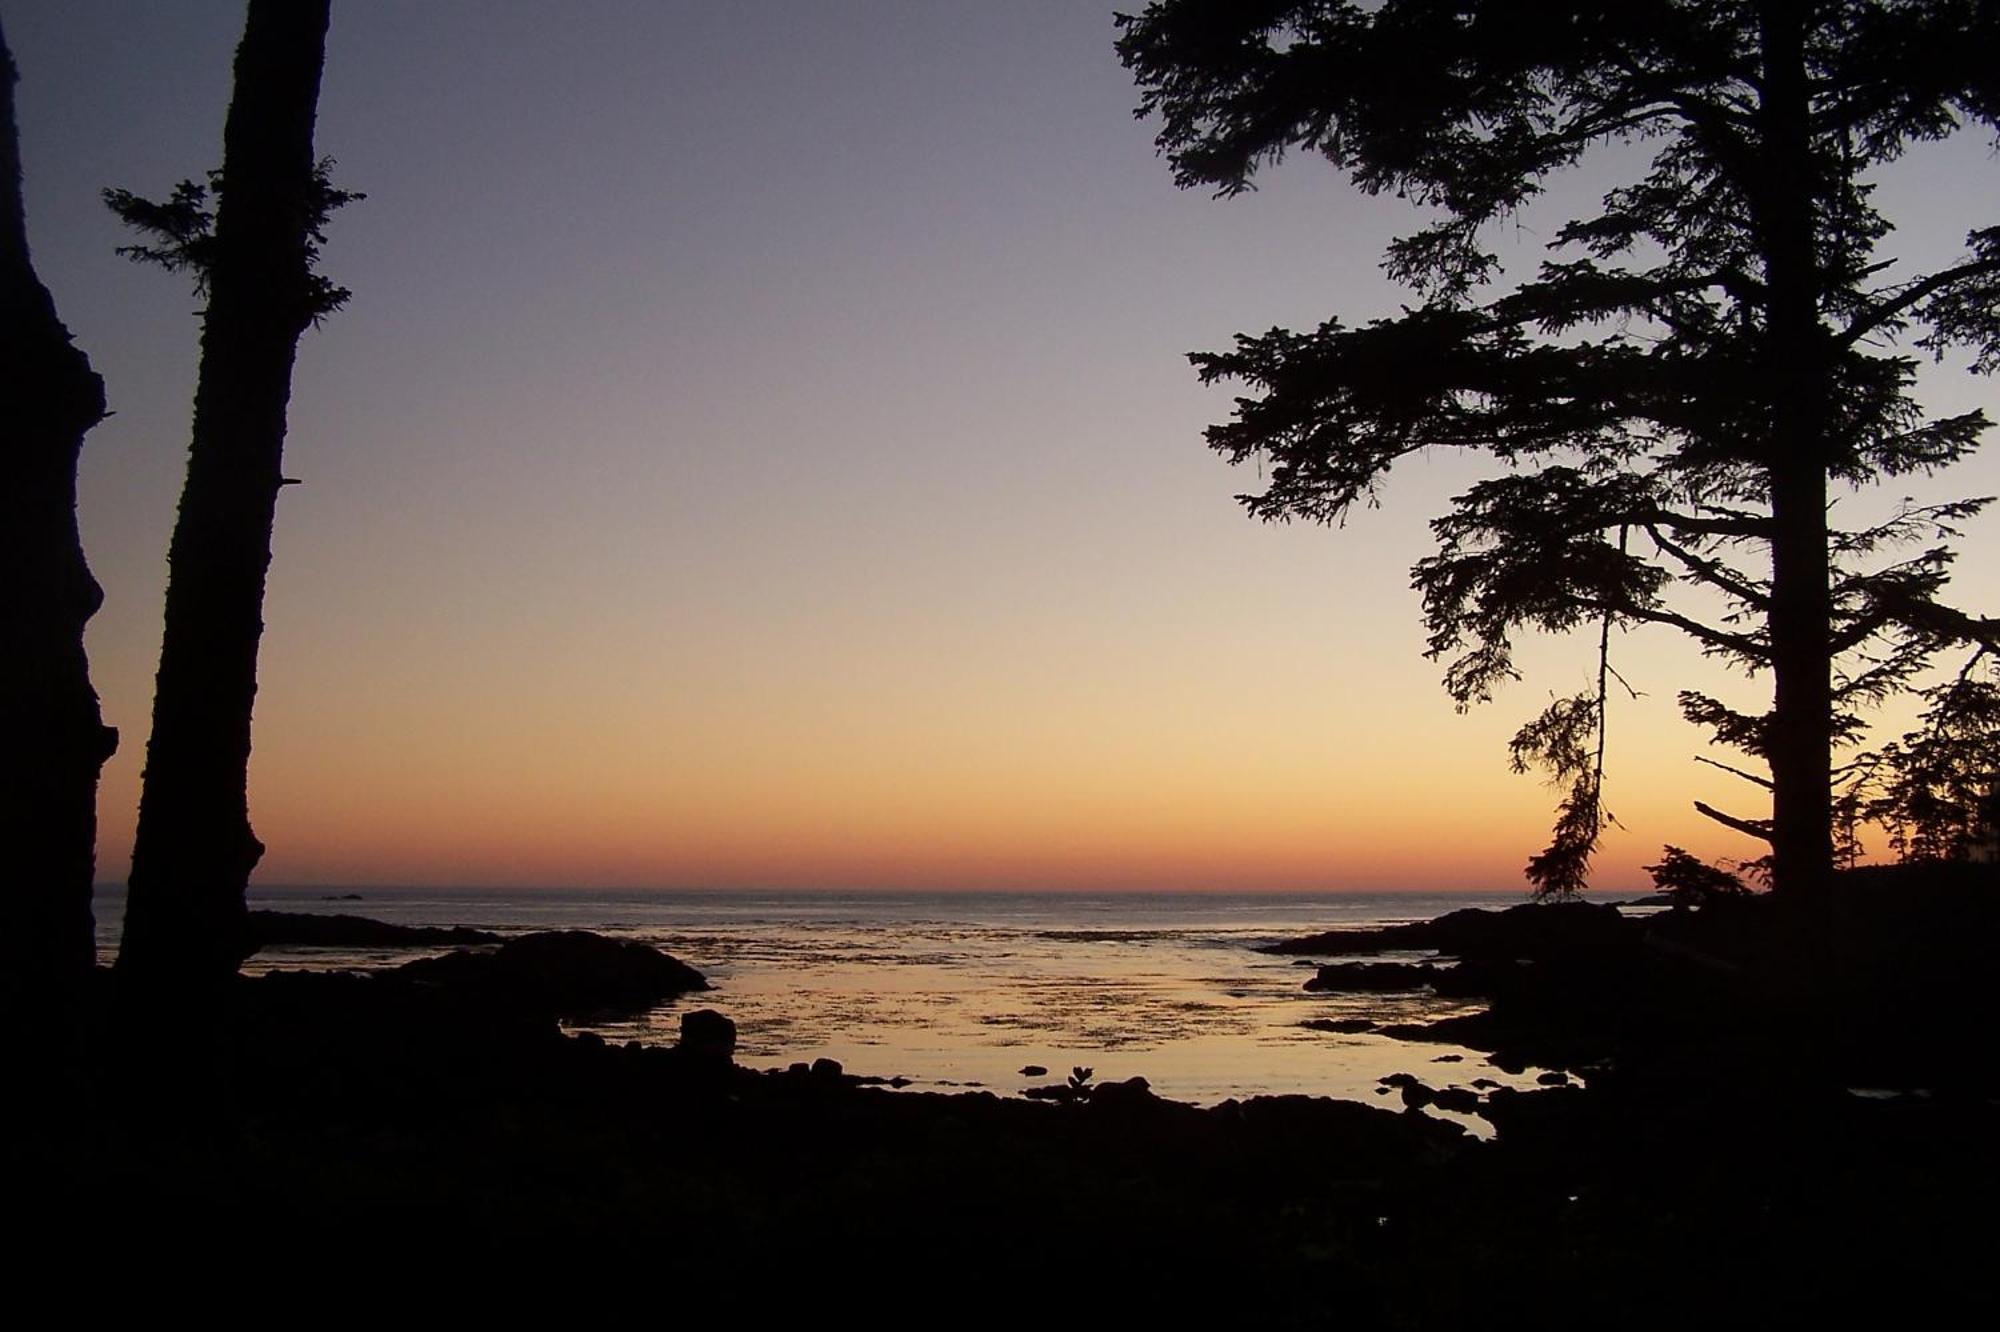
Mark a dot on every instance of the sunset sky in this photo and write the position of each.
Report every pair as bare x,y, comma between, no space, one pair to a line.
760,451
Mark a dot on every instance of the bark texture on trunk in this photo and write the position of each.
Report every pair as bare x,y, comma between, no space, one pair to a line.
185,928
53,740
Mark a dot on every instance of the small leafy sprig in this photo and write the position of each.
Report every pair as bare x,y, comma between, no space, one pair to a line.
183,240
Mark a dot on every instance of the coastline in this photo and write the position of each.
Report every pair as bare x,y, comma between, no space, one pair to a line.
948,991
1717,1164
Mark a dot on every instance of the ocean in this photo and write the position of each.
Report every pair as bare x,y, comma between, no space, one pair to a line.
965,990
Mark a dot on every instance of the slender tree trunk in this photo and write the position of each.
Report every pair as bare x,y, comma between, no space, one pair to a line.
1800,741
53,740
185,927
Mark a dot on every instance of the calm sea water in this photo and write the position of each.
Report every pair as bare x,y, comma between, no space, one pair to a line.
966,989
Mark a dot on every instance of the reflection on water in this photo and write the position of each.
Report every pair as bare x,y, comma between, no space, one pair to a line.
956,990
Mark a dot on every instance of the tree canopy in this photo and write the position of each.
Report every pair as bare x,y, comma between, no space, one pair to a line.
1670,396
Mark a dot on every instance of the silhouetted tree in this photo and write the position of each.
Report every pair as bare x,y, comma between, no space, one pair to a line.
55,740
1710,350
1934,789
185,925
1691,882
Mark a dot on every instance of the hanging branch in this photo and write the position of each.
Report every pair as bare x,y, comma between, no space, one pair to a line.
1568,740
1604,682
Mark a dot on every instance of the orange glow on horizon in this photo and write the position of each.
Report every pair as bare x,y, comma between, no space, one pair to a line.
843,522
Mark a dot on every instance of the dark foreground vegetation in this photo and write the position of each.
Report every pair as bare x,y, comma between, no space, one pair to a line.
432,1122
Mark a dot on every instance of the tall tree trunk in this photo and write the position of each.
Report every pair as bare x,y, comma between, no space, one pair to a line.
53,739
185,925
1800,739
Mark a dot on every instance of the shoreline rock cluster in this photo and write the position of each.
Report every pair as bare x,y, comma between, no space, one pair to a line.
419,1117
1886,984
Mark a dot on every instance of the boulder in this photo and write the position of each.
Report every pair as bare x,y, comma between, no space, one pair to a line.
561,974
707,1033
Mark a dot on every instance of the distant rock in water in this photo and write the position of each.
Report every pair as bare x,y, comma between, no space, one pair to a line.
1132,1093
1530,931
1372,977
293,929
561,973
1464,980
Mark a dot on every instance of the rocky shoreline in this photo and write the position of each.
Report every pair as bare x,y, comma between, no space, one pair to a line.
1717,1160
1887,986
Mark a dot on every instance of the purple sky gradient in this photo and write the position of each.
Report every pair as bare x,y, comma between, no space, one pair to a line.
759,450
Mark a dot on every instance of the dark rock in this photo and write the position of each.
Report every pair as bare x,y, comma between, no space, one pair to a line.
1033,1071
1546,1114
1416,1095
1132,1093
707,1033
563,974
1461,1099
1371,977
1344,1026
1527,932
1553,1078
1449,1059
303,929
826,1068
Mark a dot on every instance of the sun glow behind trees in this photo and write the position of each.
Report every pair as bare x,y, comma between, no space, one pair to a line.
759,452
